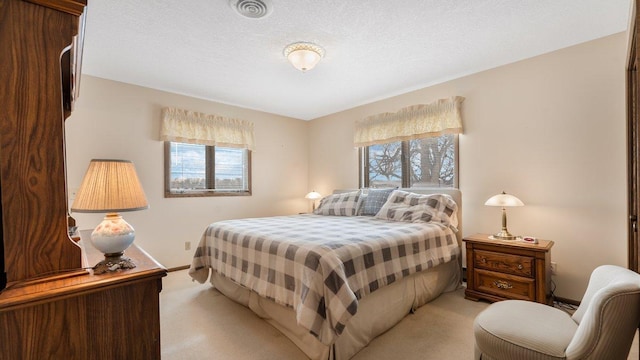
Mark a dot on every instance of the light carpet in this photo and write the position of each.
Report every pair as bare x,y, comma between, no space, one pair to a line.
197,322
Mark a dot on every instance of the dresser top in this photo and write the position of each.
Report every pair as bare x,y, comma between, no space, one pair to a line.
82,280
542,245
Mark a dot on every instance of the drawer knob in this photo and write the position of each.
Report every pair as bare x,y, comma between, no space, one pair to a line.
483,260
520,266
501,284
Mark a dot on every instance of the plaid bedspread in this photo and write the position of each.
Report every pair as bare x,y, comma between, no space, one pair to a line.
320,265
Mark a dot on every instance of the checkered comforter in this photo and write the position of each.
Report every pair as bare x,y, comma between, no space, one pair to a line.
320,265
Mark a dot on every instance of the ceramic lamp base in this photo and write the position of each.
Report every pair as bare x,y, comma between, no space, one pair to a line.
112,237
113,262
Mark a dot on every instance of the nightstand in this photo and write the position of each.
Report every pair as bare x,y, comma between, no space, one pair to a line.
508,269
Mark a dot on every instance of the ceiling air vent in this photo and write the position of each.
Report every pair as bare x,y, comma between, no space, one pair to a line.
253,9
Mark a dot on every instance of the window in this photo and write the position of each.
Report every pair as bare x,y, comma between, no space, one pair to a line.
430,159
202,170
426,162
206,154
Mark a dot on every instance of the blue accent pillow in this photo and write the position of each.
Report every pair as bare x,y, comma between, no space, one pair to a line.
374,200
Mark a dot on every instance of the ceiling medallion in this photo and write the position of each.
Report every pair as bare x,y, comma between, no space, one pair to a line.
303,55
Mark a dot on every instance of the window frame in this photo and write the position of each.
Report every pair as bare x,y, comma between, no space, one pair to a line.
210,176
363,165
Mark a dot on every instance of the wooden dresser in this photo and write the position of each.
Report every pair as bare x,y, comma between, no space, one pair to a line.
51,307
83,316
502,269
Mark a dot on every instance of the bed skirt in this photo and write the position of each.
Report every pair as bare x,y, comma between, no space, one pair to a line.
377,312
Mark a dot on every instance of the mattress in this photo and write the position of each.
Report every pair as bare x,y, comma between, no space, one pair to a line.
322,269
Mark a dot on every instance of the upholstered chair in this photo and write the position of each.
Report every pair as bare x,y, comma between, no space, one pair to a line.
602,327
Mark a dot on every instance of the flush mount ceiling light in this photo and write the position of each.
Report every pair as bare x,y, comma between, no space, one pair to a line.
253,9
303,55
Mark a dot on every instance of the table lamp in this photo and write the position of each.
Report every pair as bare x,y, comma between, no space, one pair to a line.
504,200
313,196
111,186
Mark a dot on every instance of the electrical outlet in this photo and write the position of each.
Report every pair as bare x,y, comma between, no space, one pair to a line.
554,268
187,245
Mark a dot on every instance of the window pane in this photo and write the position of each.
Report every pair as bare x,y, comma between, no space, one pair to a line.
188,166
429,162
385,165
231,169
201,170
432,161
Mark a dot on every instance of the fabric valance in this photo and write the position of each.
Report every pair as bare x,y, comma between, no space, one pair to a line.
413,122
198,128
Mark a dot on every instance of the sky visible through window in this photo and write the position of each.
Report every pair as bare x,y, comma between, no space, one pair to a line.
188,166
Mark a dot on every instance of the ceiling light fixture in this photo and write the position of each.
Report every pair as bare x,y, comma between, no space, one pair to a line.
303,55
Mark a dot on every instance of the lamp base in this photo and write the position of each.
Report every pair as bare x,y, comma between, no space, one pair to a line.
504,235
113,235
113,262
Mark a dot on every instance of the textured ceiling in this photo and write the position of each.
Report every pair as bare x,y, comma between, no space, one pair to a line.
374,48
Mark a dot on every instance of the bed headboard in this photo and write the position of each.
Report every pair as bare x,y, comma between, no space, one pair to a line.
453,192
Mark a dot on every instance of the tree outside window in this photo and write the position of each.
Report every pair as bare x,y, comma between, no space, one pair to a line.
427,162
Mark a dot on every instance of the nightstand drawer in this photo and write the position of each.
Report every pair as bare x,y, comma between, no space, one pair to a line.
506,286
504,263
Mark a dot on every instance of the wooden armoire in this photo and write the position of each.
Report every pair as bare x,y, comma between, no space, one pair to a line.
51,307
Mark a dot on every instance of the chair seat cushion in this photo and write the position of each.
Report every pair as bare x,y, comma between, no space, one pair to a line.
515,329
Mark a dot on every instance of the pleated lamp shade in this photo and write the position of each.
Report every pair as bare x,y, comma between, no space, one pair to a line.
110,186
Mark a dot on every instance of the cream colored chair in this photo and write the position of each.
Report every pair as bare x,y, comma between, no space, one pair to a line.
602,327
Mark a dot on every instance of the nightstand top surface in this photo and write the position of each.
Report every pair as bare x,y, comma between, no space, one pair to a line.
542,245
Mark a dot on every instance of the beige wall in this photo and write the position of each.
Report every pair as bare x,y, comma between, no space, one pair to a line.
550,130
121,121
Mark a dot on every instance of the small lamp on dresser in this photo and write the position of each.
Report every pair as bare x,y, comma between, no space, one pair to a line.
111,187
504,200
313,196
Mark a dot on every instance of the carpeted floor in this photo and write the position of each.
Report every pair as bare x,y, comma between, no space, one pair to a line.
197,322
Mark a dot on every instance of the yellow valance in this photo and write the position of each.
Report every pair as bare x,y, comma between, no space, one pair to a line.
197,128
413,122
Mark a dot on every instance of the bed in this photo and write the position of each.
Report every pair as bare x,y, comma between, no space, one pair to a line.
334,280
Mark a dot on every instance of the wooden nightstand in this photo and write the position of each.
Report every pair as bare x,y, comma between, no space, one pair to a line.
502,269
